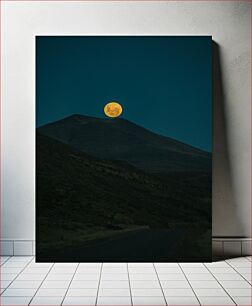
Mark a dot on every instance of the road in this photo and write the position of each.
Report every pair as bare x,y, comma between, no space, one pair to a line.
141,245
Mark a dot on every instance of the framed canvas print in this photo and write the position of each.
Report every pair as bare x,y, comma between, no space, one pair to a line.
123,148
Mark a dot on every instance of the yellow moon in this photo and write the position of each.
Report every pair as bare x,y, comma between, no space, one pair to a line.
113,109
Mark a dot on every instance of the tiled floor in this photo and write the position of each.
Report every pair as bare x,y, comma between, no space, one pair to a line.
24,282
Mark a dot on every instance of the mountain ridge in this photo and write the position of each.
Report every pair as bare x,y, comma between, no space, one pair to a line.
80,117
121,139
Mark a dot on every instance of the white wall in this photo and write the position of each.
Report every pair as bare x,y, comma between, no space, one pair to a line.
227,22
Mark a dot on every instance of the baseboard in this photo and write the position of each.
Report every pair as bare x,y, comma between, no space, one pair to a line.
222,247
231,247
17,247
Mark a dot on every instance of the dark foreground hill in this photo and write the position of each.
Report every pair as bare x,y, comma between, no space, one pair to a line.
83,203
120,139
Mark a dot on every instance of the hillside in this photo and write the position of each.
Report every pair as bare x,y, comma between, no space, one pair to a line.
120,139
80,198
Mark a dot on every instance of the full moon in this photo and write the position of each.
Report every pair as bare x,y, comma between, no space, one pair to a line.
113,109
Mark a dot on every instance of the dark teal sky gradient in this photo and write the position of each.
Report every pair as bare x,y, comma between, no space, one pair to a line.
164,83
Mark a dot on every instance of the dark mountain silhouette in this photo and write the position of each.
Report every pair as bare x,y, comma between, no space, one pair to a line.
82,200
120,139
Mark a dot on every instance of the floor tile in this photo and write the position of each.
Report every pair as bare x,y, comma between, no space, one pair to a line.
175,284
85,276
146,292
33,258
19,292
97,264
14,264
241,264
229,276
30,276
66,265
55,284
25,284
178,292
114,270
220,270
114,292
243,300
235,284
200,276
142,271
51,292
140,301
40,265
204,284
180,300
102,300
243,270
239,291
140,264
21,258
217,264
169,270
114,284
145,284
32,270
236,259
79,301
166,264
59,277
191,264
115,276
82,292
10,270
210,292
88,270
221,300
61,270
143,266
47,300
248,277
84,284
5,283
115,287
195,270
172,276
4,259
142,276
8,276
11,301
114,264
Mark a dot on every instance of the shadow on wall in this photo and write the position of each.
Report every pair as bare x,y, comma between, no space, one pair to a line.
225,209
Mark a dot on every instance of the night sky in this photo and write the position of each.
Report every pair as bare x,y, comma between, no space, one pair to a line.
163,83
